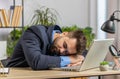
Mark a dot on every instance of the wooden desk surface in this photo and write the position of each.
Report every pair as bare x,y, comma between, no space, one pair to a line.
27,73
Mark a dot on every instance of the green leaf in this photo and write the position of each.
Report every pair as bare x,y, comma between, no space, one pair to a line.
44,16
87,31
104,63
13,39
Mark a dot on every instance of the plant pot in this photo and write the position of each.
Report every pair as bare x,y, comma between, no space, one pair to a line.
104,67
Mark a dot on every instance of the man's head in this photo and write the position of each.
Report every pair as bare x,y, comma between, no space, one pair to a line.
69,43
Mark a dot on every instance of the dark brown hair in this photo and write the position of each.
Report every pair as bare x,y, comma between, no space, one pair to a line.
81,40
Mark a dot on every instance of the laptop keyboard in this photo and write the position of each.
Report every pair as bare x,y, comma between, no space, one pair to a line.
72,68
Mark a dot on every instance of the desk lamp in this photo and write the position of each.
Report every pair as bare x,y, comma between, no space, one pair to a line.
109,27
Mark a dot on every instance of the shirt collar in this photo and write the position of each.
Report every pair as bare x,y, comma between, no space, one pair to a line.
53,33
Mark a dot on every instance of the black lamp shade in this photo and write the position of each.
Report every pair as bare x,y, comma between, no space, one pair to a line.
108,27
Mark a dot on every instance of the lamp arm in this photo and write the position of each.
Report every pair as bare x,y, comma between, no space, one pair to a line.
117,19
115,12
113,16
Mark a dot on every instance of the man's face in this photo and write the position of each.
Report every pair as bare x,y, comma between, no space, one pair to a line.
65,45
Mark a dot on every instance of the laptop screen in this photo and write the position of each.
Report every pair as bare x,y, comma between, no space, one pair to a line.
96,53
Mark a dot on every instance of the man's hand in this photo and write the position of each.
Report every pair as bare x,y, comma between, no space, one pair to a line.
76,60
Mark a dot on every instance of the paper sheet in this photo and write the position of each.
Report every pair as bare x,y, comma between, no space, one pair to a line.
4,70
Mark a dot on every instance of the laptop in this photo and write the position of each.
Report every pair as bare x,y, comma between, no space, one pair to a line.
96,54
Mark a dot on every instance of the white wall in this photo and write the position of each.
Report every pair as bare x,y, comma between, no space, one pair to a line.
93,15
71,11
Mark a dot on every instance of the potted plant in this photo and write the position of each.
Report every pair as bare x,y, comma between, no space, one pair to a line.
44,16
104,66
12,39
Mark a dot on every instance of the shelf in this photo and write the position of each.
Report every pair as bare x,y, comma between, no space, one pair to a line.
11,27
12,23
15,24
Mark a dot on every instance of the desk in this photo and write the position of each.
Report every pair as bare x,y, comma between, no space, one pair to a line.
27,73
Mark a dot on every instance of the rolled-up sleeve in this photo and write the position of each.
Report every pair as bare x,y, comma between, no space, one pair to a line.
65,60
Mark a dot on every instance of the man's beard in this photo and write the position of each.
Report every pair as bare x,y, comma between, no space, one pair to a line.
54,50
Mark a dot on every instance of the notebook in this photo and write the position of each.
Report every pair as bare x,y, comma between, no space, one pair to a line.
96,54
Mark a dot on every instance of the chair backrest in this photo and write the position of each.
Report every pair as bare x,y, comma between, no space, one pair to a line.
3,54
1,65
3,46
5,61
